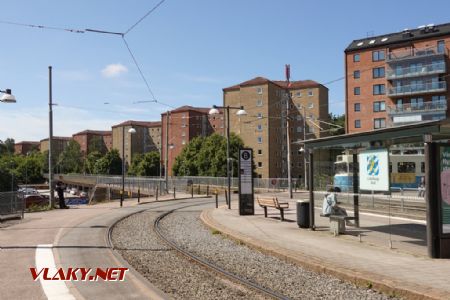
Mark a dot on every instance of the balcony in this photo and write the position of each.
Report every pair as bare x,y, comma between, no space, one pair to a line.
415,53
416,112
418,108
415,71
421,88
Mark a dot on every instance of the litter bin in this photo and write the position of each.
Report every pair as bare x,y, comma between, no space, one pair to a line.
303,214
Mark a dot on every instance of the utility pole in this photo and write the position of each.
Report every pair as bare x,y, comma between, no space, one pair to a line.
50,138
166,156
304,152
288,102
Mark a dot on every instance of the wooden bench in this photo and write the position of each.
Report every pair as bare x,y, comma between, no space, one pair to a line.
273,202
337,223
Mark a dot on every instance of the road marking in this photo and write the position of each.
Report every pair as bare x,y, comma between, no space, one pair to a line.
53,289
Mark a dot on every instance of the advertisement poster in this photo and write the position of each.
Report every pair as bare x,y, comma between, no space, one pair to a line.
374,170
445,188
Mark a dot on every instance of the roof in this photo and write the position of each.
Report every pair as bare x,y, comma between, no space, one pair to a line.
27,142
412,133
94,132
407,35
282,84
185,108
138,123
63,138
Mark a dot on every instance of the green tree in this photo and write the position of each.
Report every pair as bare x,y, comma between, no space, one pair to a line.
110,163
208,156
30,168
90,161
145,165
7,146
71,159
186,163
338,120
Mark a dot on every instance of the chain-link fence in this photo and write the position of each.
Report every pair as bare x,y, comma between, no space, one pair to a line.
12,204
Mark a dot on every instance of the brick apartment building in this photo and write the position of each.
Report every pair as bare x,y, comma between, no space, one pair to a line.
100,140
59,143
264,127
397,78
25,147
147,138
185,123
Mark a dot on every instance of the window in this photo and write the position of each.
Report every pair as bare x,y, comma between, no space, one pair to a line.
259,152
406,167
357,123
399,103
259,90
378,55
311,129
379,123
183,134
259,164
259,115
357,91
379,89
298,94
259,139
259,102
259,127
299,129
298,105
441,46
357,106
422,167
310,93
356,74
183,142
379,106
378,72
356,57
310,105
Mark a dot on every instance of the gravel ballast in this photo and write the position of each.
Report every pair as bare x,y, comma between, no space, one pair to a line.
183,279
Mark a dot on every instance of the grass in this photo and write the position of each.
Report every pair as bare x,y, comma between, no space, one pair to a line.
215,231
37,207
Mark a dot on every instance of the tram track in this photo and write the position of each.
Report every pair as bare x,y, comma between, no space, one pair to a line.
209,265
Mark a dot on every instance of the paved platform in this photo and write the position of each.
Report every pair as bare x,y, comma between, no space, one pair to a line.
73,237
402,271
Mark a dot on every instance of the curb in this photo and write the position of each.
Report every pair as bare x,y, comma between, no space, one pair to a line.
389,286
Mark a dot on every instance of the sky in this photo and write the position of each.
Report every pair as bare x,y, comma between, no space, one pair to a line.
188,51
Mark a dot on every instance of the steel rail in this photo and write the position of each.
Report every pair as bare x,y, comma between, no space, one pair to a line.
210,265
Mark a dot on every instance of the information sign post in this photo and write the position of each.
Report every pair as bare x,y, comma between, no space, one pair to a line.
246,194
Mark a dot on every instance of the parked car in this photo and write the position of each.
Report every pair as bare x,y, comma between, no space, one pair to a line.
36,200
29,191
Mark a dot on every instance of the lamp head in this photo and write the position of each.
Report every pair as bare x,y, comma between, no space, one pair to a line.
241,112
132,130
214,110
7,97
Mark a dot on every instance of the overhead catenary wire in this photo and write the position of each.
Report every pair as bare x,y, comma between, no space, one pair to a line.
145,16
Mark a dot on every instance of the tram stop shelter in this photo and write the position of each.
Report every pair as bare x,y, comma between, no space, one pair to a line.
434,136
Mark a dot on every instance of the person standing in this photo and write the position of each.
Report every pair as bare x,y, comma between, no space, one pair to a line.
60,191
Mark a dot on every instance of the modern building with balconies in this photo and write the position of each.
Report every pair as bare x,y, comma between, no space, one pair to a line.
397,78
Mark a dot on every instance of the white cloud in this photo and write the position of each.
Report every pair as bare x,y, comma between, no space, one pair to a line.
114,70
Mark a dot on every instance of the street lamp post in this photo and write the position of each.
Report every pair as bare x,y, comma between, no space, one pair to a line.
131,131
241,112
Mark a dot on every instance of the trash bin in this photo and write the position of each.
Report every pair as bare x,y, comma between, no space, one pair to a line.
303,214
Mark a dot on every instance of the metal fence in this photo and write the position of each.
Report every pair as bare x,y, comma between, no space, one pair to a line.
12,204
